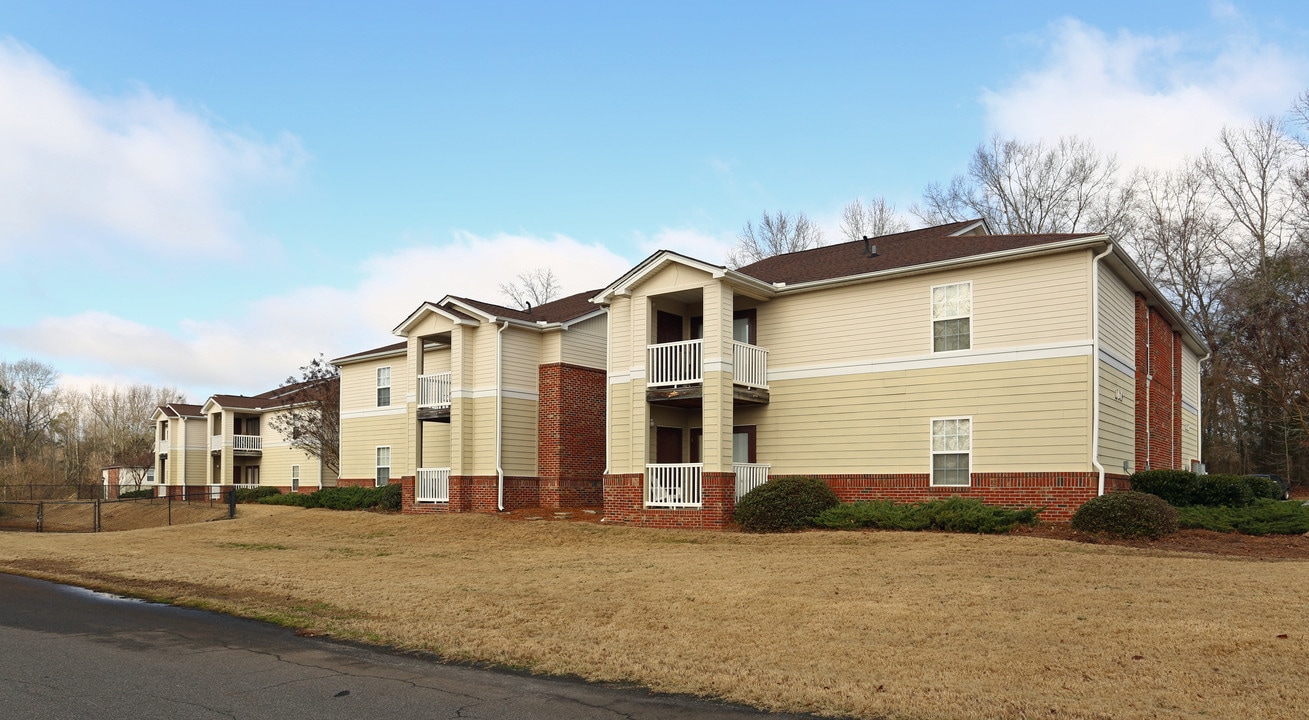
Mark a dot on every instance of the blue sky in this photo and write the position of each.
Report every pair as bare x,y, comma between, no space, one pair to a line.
209,196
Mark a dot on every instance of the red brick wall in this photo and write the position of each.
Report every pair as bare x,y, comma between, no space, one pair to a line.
1158,390
356,482
407,504
570,435
624,503
1060,493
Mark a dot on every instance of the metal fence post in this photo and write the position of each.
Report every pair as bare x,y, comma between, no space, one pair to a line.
231,504
40,517
95,519
170,509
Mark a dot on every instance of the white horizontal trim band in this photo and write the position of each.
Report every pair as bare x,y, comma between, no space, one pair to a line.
374,412
923,362
1116,362
1187,406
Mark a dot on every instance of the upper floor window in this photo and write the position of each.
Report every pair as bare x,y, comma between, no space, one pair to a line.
952,446
952,313
383,386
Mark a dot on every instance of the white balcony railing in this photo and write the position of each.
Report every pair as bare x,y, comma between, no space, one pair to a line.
749,476
682,363
432,485
216,442
749,365
434,390
673,485
245,486
161,447
676,363
247,442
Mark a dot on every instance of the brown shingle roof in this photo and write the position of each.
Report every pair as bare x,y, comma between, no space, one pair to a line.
274,398
181,409
385,348
901,250
561,310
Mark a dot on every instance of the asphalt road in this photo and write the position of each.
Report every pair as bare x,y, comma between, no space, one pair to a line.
70,653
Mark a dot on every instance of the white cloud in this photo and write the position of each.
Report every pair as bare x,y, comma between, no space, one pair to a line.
1149,99
252,346
137,171
689,242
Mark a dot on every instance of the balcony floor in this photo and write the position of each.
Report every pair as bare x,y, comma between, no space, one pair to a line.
434,414
692,396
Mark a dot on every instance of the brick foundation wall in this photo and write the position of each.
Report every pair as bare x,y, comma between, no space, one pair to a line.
570,435
1158,391
1060,493
624,503
408,505
356,482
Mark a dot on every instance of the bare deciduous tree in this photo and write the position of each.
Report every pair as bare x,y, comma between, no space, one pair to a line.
532,288
1251,171
1035,188
29,406
876,218
776,233
312,422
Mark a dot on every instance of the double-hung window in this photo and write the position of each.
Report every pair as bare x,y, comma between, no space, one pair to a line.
295,478
383,386
383,476
952,449
952,316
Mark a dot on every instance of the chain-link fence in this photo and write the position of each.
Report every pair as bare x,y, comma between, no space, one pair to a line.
43,491
110,515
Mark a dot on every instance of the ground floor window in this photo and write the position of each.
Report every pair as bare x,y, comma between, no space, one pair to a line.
252,475
952,443
383,476
295,478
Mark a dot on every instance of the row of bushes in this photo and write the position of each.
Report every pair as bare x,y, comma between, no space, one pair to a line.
1181,488
133,494
386,497
794,503
1265,517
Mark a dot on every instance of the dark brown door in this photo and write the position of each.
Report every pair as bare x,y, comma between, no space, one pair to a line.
697,435
668,445
668,327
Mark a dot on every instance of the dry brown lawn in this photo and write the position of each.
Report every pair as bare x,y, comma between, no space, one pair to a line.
898,625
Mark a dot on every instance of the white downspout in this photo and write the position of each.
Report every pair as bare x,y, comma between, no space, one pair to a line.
609,350
499,379
1199,412
1095,366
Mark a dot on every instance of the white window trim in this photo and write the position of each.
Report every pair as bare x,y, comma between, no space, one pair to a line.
931,453
295,477
932,319
387,368
377,467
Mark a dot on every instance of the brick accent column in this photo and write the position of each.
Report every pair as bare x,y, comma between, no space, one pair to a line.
570,435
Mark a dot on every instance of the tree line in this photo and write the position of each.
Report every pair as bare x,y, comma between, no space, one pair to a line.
1224,235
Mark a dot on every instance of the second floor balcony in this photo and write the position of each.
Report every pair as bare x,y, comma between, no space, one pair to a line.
434,397
241,444
675,372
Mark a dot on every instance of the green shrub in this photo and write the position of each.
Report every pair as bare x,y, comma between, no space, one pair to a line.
1127,514
130,494
1183,489
1264,517
1263,488
784,504
295,499
1174,486
386,497
249,495
953,514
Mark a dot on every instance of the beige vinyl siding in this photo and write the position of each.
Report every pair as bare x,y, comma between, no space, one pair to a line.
359,383
1117,315
1027,416
196,451
436,444
520,354
1117,420
483,358
552,347
479,439
436,361
1191,396
620,427
518,448
584,343
360,438
1015,304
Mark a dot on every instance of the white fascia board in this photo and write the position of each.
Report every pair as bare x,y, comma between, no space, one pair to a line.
209,406
1155,299
654,263
370,356
582,318
971,227
402,329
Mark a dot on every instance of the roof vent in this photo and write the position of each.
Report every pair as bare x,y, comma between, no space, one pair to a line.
870,250
527,309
